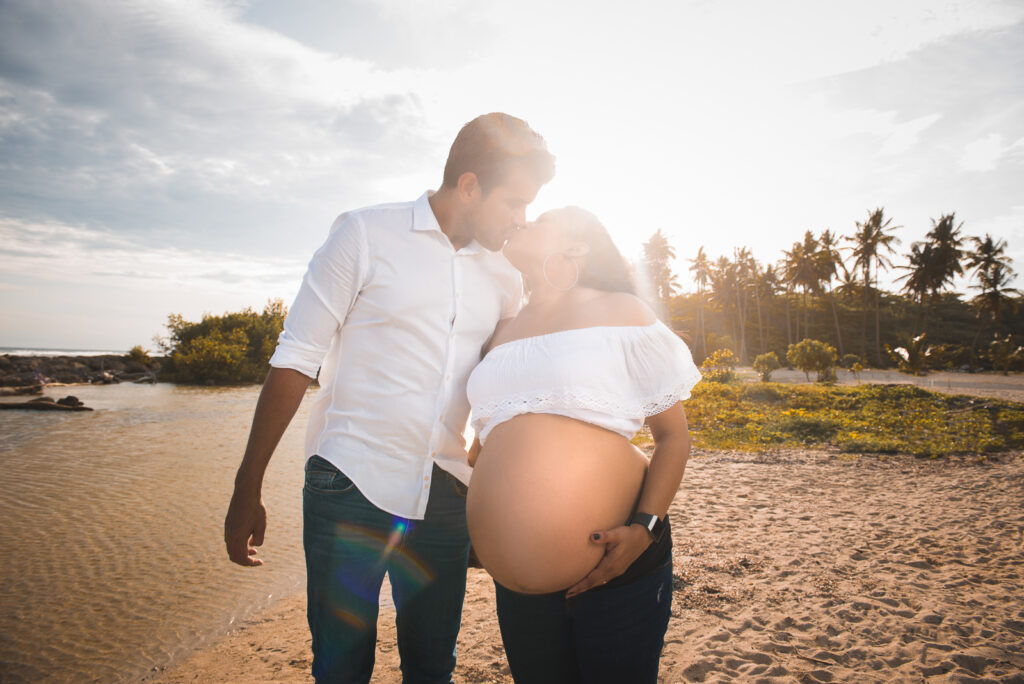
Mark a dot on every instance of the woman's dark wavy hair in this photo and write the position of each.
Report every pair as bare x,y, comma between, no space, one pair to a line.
605,268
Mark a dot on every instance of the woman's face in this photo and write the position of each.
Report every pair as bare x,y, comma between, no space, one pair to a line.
534,242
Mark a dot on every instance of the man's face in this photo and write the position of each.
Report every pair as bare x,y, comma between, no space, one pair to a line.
495,217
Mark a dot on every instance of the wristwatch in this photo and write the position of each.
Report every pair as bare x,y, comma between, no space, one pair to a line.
654,525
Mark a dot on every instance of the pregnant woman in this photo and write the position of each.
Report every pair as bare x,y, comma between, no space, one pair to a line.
565,513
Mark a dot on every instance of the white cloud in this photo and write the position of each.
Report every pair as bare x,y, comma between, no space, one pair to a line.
983,154
172,116
79,256
905,135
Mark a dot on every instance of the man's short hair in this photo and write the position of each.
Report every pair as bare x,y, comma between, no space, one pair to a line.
490,145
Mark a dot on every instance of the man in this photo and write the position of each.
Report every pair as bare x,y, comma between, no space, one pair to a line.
394,311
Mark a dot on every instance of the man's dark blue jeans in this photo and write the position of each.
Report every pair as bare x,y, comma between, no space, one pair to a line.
350,544
613,634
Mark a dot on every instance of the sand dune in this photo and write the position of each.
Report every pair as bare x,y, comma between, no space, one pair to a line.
793,567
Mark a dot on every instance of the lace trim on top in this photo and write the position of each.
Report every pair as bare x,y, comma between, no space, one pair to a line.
532,402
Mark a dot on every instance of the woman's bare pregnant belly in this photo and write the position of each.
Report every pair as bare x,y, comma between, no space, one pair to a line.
542,484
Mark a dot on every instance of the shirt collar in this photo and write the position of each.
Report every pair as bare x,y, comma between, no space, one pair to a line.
423,219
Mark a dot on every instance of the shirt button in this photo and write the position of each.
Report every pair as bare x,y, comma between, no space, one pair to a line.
448,377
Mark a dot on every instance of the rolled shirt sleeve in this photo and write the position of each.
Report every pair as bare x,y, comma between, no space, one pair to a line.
333,279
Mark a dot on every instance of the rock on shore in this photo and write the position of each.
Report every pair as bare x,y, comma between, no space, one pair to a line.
25,371
68,403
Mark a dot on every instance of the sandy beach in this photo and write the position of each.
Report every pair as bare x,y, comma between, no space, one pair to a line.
790,567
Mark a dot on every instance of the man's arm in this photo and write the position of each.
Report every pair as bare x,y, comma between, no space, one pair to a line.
330,286
246,521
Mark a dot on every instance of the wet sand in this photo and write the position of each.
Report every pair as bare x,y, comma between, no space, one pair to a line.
790,567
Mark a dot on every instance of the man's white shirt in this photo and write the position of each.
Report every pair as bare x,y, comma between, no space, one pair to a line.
395,319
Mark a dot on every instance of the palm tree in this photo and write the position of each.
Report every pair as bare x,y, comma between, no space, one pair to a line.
801,264
745,274
987,254
829,262
947,244
920,277
757,289
870,242
658,255
723,289
945,256
701,270
768,284
995,296
847,286
991,267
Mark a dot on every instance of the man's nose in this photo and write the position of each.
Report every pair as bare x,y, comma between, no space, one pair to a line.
519,217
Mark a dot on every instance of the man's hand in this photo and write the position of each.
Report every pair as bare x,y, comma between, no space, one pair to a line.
244,527
623,545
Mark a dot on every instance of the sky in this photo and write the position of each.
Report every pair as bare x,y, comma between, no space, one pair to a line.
189,156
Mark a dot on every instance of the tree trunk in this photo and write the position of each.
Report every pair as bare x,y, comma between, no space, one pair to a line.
807,317
742,314
700,324
760,326
835,317
864,324
878,327
789,327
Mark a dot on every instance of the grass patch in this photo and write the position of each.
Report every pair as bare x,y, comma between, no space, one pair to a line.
883,419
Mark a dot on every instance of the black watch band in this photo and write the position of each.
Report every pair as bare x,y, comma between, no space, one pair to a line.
654,525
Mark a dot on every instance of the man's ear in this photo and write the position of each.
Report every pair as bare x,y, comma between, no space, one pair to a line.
468,187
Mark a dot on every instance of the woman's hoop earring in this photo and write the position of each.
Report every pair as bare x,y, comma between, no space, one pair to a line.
544,272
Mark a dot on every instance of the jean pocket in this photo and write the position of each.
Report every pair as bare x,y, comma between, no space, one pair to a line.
324,478
460,489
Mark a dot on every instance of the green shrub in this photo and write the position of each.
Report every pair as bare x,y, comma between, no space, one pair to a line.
720,366
850,360
811,355
806,429
1005,355
138,355
228,349
716,342
945,356
762,392
765,364
913,357
869,445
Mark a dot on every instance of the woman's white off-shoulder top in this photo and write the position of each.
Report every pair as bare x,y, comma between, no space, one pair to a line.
609,376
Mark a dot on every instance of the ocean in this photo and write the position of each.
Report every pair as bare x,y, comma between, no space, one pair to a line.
30,351
114,560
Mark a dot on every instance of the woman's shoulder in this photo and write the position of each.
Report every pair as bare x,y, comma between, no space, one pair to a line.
620,309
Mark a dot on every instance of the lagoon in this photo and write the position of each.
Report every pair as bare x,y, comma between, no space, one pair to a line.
114,561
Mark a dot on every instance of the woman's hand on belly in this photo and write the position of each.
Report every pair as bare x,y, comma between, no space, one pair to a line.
623,545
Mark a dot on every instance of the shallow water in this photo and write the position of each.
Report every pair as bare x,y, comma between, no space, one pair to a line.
113,553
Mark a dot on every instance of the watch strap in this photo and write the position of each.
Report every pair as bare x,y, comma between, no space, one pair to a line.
654,525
